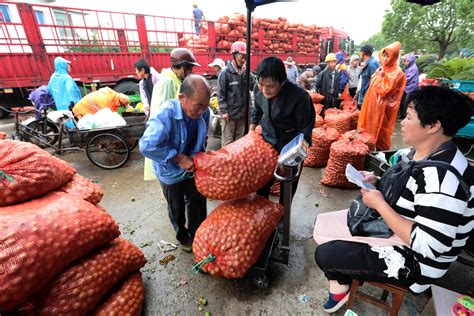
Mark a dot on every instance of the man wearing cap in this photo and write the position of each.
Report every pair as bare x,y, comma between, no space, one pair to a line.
370,66
354,74
230,92
97,100
182,62
327,83
218,64
62,87
291,70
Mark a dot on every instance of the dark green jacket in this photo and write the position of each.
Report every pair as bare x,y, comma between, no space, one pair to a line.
289,114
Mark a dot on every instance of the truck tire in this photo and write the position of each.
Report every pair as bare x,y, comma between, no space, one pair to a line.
127,87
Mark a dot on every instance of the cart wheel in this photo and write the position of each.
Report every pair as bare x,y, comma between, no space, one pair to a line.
132,143
261,281
108,150
48,132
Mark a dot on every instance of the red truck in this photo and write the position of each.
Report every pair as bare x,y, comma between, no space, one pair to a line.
333,40
103,45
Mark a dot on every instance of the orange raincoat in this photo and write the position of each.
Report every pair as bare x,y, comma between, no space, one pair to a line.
380,108
97,100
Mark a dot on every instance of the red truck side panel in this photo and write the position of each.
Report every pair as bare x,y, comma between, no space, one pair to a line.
103,45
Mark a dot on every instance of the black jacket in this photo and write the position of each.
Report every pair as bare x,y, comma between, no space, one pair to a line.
322,85
289,114
230,92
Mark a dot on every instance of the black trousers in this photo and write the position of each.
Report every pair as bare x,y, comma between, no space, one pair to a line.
352,91
403,106
181,197
344,261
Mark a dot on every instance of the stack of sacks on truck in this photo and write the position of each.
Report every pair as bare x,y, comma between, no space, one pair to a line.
60,250
277,35
232,238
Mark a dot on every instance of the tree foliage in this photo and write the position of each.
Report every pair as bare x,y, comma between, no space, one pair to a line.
437,28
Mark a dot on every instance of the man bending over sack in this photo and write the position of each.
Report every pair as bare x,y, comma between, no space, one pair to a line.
283,108
172,137
97,100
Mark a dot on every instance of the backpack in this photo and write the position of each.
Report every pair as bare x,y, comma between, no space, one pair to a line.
365,221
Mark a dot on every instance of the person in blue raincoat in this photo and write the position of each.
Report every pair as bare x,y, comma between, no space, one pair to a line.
61,85
342,69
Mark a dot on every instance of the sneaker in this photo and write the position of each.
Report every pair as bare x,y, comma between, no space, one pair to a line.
187,246
335,302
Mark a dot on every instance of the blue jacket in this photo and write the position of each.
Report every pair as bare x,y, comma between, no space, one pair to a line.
370,67
341,67
165,136
62,87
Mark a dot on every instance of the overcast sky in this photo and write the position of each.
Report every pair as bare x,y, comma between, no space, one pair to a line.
360,19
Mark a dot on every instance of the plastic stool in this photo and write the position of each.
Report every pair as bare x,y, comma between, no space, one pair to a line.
398,293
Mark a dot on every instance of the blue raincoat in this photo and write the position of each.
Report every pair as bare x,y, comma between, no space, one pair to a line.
61,86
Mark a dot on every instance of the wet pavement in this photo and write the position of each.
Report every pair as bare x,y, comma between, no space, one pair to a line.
297,289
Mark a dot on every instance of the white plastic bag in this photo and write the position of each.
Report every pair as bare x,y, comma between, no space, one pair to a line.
102,118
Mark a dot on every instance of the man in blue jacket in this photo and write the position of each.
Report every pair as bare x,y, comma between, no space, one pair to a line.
370,66
171,139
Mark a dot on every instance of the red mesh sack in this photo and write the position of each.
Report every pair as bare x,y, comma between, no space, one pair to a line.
237,169
344,152
27,171
354,119
316,97
319,121
338,119
362,136
83,188
79,288
318,152
348,105
39,238
318,108
275,189
127,299
332,111
232,238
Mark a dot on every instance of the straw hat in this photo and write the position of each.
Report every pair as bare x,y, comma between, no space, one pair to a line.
289,61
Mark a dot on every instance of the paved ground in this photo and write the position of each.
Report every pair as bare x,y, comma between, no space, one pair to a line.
140,209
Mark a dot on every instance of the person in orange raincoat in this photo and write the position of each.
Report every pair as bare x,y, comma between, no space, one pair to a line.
97,100
380,108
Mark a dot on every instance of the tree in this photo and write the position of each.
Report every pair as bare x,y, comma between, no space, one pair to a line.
432,28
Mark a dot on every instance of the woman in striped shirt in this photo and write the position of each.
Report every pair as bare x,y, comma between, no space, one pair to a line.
434,215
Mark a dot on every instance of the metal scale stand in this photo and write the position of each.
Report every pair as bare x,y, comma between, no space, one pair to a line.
277,249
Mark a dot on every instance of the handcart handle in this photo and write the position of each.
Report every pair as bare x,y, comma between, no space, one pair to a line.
19,112
290,178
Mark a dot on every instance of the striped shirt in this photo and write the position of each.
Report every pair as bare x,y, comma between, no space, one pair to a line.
436,202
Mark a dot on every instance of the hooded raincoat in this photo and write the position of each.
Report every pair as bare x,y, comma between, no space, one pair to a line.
411,73
165,89
62,87
380,108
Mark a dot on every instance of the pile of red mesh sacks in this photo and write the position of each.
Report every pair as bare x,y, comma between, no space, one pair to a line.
61,252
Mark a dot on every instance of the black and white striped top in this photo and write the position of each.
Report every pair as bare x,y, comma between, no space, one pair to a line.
435,201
